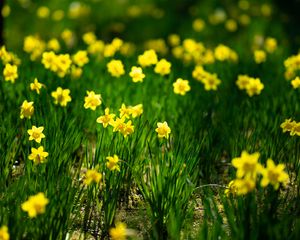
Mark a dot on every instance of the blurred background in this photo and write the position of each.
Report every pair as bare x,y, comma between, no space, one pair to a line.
139,21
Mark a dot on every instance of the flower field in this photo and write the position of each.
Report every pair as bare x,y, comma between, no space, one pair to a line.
149,119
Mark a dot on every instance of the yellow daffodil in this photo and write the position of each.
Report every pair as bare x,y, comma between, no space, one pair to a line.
80,58
43,12
296,83
136,110
49,60
244,186
118,124
181,86
148,58
260,56
92,100
119,232
247,165
38,155
274,175
230,189
27,110
270,44
288,126
211,82
106,119
36,134
231,25
89,38
61,96
116,68
163,130
125,111
10,72
295,130
128,129
242,81
254,87
4,235
198,25
163,67
92,175
137,74
35,205
112,163
53,44
36,86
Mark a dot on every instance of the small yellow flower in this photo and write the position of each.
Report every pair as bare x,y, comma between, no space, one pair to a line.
92,100
36,86
43,12
109,50
53,44
96,47
61,96
128,129
247,165
288,125
255,86
35,205
119,232
63,63
137,110
163,130
295,130
92,175
270,44
106,119
27,110
148,58
112,163
244,19
211,82
163,67
35,46
119,124
115,68
174,40
117,43
242,81
244,4
222,52
198,25
274,175
296,83
125,111
4,235
230,189
260,56
199,73
5,11
244,186
89,38
76,72
10,72
80,58
67,35
122,127
38,155
36,134
137,74
231,25
181,86
49,61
